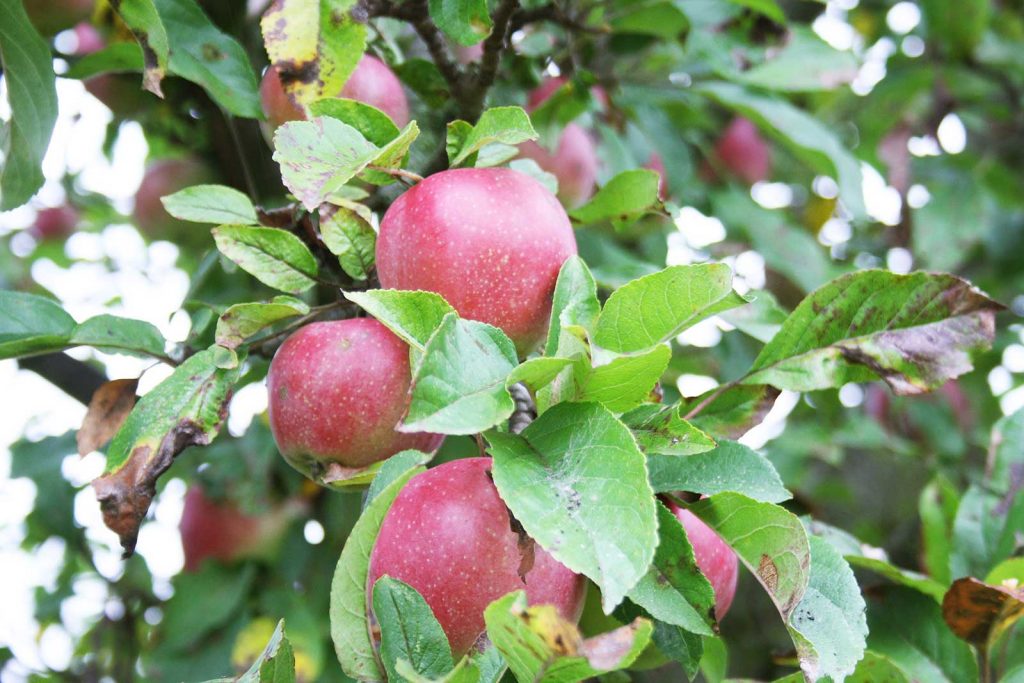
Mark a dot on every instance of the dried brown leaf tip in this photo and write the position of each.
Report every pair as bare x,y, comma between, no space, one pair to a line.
979,612
108,409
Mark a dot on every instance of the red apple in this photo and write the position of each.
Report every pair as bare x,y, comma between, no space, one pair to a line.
716,560
489,240
448,535
87,39
372,82
742,151
162,178
54,223
277,106
220,531
337,391
574,161
53,16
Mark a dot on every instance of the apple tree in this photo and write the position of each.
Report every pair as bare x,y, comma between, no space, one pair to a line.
515,340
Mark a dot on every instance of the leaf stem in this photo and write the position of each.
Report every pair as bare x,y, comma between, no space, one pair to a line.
399,173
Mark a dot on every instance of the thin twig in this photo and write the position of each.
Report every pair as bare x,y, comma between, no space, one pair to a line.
398,173
696,410
493,46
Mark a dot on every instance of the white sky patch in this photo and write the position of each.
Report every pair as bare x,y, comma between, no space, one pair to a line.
704,335
825,187
835,231
899,260
883,202
772,195
1013,358
913,46
851,395
313,532
952,134
694,385
903,17
246,404
918,196
699,230
774,423
1012,401
924,146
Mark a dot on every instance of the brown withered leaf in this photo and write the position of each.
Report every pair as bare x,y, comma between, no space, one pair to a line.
186,409
108,409
980,612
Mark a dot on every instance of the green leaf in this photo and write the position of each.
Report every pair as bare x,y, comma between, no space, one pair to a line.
541,646
874,559
574,302
392,156
663,20
318,156
459,385
31,324
770,542
201,53
769,8
507,125
277,258
1007,456
761,319
412,315
186,409
661,430
242,321
674,590
729,467
918,641
211,204
467,22
142,18
351,238
622,200
915,331
806,63
350,628
372,123
805,135
657,307
121,57
315,46
537,373
423,78
225,589
731,413
985,531
956,30
937,506
627,381
124,335
393,468
829,625
277,662
577,482
31,92
464,672
409,630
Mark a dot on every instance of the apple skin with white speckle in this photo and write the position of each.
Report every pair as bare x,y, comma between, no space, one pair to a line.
448,535
489,240
337,390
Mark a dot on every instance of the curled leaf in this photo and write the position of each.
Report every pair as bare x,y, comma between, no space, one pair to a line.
108,409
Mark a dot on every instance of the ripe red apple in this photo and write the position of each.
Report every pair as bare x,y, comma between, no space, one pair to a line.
372,82
220,531
742,151
489,240
162,178
53,16
716,560
54,223
448,535
337,391
87,39
574,161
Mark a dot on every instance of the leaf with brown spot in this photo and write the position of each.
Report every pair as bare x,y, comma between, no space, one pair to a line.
980,612
108,409
315,46
540,645
914,331
731,413
144,21
186,409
